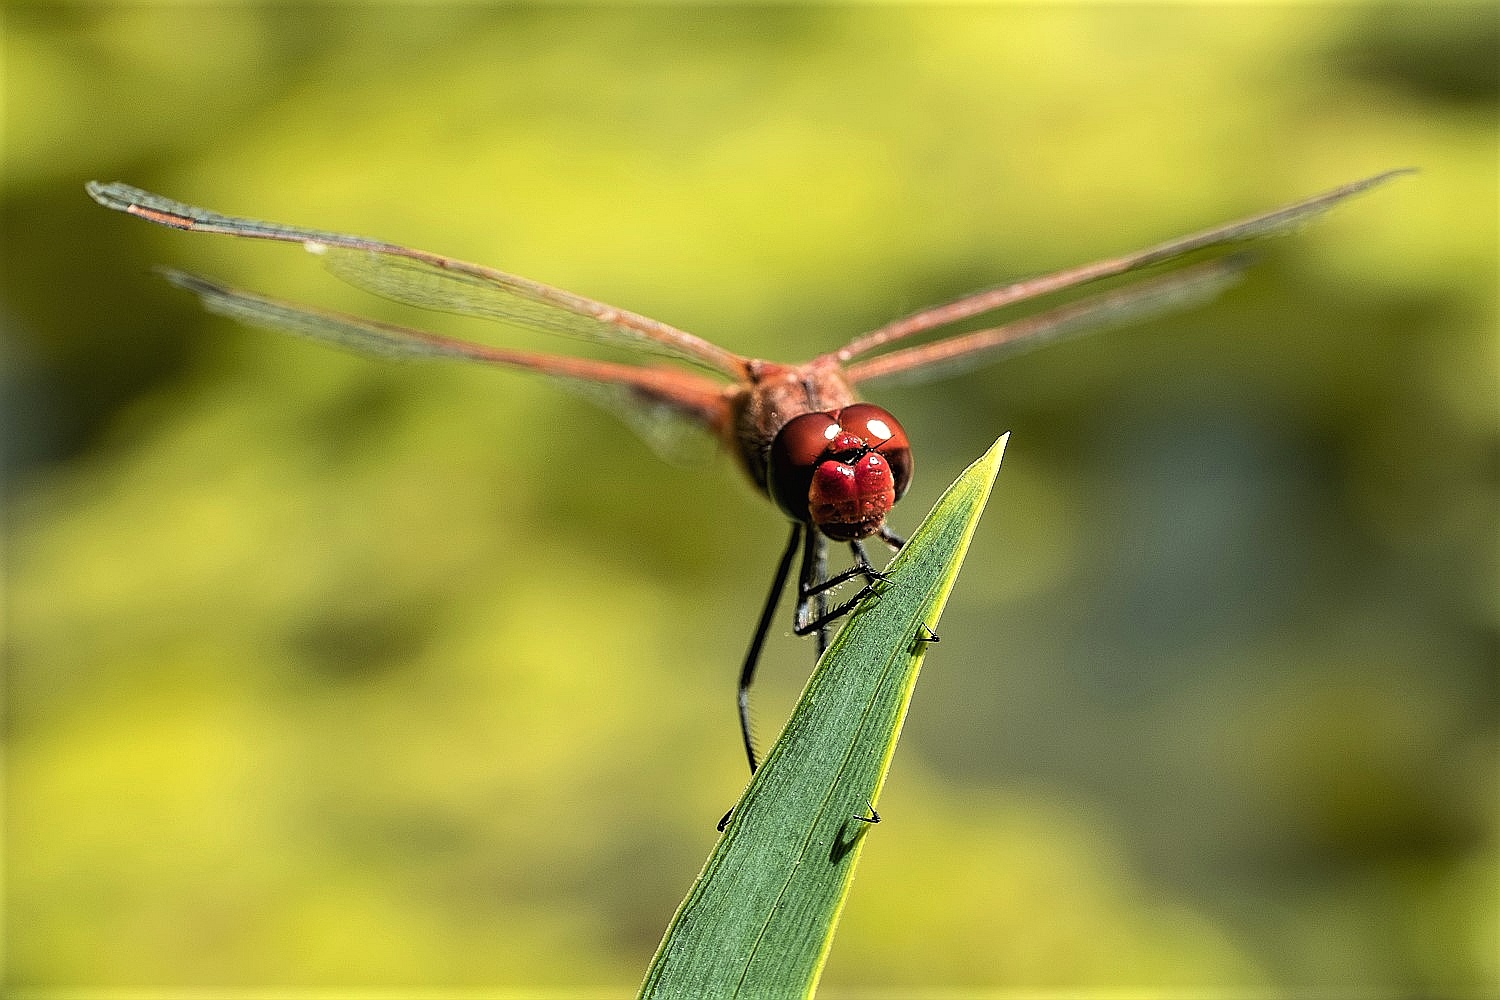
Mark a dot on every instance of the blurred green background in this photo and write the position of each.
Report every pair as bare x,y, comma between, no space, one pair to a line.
333,672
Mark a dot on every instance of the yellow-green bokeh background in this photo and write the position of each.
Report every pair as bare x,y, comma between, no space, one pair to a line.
331,672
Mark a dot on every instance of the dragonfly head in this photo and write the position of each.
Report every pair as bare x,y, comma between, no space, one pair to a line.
840,471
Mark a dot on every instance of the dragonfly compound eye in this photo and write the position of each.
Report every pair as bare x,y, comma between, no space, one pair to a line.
884,434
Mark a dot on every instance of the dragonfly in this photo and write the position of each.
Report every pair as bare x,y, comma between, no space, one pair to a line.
833,464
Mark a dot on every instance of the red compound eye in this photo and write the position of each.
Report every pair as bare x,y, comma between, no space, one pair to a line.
879,429
795,453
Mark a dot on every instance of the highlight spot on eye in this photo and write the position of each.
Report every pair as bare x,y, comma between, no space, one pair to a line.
879,429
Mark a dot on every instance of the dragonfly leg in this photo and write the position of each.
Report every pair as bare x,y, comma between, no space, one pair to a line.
812,596
895,541
861,567
752,655
817,620
820,624
813,614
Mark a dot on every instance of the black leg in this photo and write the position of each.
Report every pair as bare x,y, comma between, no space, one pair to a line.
814,568
813,614
861,567
809,620
752,656
827,618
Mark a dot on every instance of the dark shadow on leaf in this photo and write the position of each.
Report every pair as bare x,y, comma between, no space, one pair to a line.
848,835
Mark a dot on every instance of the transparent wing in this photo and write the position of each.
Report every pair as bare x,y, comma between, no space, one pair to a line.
435,282
1142,300
1280,220
642,394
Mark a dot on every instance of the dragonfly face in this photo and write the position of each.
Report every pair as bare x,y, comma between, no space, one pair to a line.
840,471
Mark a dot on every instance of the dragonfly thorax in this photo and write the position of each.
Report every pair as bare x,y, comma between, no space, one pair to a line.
840,471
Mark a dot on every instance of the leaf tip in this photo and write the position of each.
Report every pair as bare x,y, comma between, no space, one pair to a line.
991,458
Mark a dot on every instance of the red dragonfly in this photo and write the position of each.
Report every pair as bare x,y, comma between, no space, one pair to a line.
833,465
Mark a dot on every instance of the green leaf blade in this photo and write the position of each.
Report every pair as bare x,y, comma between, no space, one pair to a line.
760,918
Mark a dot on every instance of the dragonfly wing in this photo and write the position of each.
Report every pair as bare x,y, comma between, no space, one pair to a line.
683,438
644,395
1272,223
437,282
1142,300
